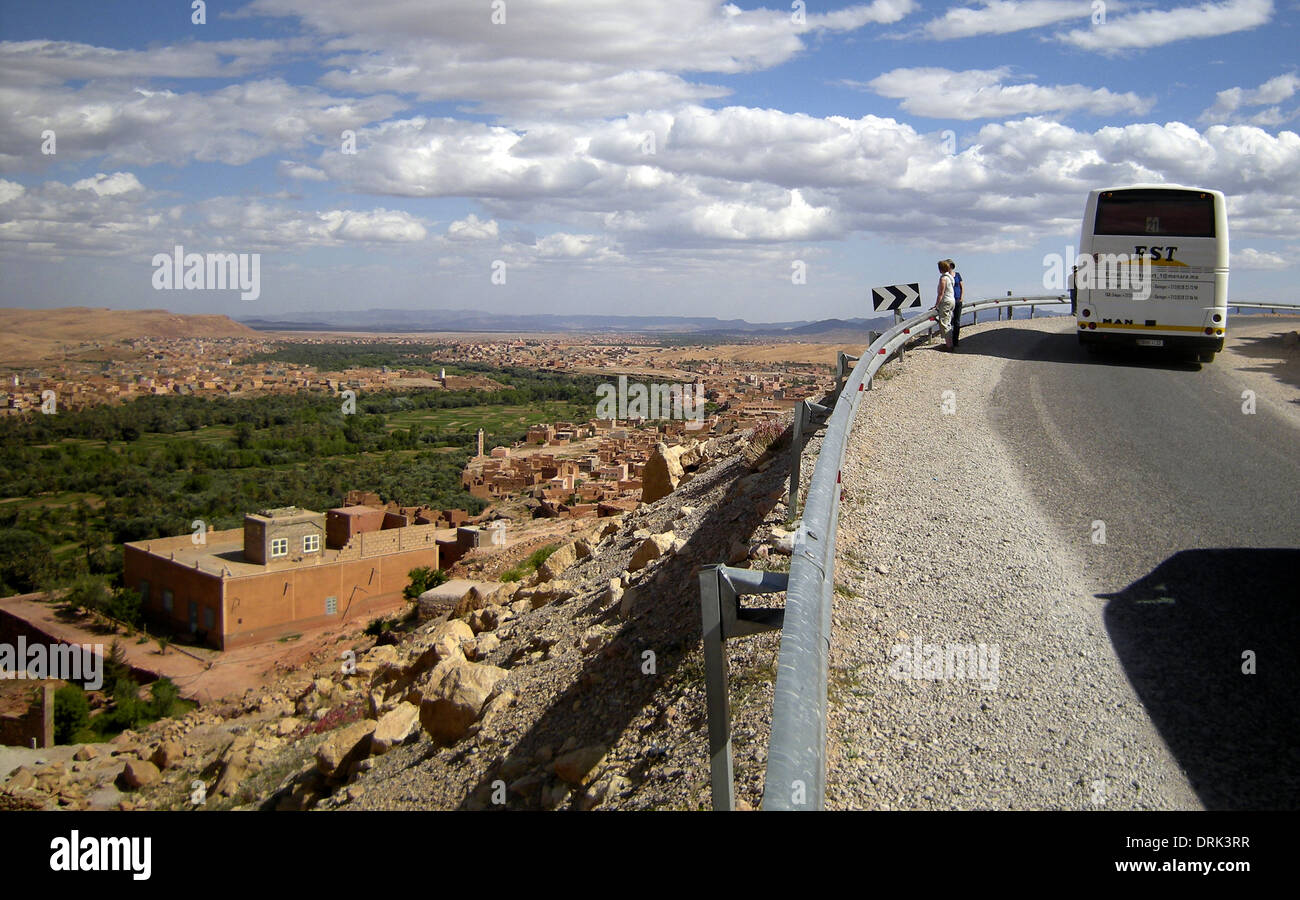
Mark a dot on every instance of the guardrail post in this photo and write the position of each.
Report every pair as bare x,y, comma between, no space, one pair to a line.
722,618
796,454
1031,310
721,777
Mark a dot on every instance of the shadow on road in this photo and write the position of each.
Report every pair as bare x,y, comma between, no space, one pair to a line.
1183,633
1277,358
1021,343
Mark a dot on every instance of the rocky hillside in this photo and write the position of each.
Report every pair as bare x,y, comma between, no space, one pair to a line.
581,687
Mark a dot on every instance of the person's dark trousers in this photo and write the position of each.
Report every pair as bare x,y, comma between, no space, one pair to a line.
956,324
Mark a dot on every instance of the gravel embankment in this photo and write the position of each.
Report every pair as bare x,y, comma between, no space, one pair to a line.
941,543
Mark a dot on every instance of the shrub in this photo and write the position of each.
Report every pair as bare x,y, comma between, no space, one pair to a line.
422,579
71,714
87,593
164,695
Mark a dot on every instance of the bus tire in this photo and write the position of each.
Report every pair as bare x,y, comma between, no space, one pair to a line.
1205,356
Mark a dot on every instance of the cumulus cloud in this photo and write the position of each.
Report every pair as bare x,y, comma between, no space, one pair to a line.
290,169
54,62
571,58
114,215
471,228
1250,258
1156,27
1004,17
981,94
139,126
109,185
1228,103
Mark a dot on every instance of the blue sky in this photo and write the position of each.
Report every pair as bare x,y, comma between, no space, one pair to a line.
676,157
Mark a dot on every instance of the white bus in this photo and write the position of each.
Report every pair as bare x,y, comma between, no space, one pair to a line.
1153,269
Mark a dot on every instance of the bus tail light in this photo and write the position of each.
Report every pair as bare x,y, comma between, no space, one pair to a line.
1092,325
1209,331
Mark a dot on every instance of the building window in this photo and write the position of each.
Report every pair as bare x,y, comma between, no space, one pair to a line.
209,618
144,592
167,600
331,606
310,543
279,546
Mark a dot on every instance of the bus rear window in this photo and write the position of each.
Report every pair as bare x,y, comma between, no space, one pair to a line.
1171,213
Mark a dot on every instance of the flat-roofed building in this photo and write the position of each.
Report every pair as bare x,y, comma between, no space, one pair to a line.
275,576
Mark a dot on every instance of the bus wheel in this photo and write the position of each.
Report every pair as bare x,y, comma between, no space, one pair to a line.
1206,356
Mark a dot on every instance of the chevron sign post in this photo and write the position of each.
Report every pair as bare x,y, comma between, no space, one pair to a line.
896,297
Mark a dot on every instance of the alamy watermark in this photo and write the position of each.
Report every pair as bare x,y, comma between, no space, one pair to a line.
650,401
179,271
1104,271
940,662
82,663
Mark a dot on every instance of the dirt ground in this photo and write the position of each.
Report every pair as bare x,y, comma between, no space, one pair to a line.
201,674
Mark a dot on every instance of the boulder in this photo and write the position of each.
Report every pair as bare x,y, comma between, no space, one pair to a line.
168,755
662,473
344,747
580,766
137,773
452,696
651,549
377,659
557,562
612,594
21,778
395,727
85,753
486,644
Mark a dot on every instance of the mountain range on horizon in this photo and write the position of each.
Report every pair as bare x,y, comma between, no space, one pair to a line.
406,320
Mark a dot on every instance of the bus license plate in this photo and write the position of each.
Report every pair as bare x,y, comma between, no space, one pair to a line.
1150,342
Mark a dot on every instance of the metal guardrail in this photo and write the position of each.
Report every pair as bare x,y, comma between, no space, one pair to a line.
1271,307
796,762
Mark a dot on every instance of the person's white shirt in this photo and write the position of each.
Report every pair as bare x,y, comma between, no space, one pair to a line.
945,285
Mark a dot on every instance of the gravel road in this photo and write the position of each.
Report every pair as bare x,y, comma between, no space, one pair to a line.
963,549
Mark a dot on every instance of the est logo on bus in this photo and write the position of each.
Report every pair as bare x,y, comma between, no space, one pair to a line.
1156,252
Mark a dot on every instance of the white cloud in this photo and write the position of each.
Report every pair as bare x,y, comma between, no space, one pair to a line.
1273,91
109,185
568,58
471,228
980,94
290,169
1004,17
140,127
53,62
1250,258
1154,28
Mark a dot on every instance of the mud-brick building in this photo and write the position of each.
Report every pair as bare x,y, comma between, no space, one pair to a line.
283,572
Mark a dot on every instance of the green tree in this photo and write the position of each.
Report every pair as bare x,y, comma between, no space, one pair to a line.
116,668
88,592
71,714
164,695
128,709
25,561
123,605
422,579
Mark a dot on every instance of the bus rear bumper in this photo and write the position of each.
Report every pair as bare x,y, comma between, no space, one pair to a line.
1195,343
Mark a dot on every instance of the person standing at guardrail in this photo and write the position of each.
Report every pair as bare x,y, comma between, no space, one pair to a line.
944,303
956,304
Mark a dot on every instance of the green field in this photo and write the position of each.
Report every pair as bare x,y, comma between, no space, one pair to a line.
492,419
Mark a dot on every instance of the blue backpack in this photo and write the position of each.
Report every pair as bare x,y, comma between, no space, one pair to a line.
956,286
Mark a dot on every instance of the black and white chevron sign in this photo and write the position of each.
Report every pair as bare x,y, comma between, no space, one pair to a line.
896,296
